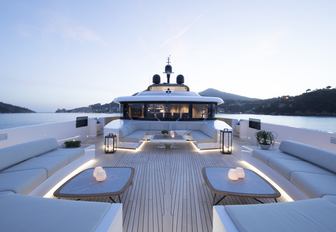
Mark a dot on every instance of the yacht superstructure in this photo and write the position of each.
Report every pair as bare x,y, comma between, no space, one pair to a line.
168,102
171,107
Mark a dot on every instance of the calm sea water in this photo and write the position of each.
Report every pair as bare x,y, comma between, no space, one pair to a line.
309,122
315,123
26,119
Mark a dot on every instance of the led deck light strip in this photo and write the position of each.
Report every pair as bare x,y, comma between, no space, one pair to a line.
138,149
86,165
203,150
195,147
284,195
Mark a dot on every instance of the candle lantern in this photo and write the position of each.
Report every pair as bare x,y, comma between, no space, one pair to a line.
110,143
226,141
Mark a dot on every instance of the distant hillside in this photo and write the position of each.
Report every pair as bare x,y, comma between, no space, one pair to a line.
95,108
225,96
320,102
7,108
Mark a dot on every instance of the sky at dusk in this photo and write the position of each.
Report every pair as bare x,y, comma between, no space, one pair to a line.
67,54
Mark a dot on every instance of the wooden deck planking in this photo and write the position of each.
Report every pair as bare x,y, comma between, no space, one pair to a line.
169,193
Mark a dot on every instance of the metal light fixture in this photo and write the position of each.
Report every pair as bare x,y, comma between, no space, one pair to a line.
110,143
226,141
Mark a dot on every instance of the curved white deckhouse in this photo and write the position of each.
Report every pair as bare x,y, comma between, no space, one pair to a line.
163,96
168,102
167,107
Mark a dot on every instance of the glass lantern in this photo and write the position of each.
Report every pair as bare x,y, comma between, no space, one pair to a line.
226,141
110,143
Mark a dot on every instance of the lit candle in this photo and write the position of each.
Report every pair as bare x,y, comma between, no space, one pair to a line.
232,174
240,172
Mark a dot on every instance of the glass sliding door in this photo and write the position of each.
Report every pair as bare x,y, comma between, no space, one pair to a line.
133,111
168,111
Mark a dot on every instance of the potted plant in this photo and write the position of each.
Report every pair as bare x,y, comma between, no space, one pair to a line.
265,139
165,133
72,143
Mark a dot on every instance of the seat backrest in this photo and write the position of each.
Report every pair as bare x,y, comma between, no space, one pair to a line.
14,154
315,155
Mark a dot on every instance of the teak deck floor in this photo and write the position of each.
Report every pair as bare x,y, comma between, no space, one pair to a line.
169,193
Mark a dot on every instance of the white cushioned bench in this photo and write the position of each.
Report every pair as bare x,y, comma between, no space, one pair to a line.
306,215
25,166
204,133
311,169
27,213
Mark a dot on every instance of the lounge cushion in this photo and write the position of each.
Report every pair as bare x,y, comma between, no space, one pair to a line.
306,215
135,136
22,182
285,167
267,155
127,129
3,193
50,164
322,158
20,152
314,185
331,198
27,213
209,131
70,153
200,137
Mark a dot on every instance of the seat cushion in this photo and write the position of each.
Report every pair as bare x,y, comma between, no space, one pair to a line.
14,154
314,185
267,155
331,198
285,167
306,215
135,136
22,182
209,130
200,137
70,153
27,213
3,193
320,157
50,164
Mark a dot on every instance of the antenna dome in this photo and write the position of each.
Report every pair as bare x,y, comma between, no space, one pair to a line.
180,79
156,79
168,69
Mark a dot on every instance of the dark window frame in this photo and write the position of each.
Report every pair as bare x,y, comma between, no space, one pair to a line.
211,111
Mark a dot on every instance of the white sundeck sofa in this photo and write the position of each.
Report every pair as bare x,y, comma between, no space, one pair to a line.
29,213
312,171
205,134
306,215
25,166
28,166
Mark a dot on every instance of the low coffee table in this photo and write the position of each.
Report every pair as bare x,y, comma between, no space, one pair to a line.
84,185
167,140
253,185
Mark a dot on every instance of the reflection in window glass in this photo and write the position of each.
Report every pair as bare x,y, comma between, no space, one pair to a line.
200,111
168,111
135,110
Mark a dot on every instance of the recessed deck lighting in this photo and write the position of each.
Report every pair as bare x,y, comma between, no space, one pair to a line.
284,194
90,163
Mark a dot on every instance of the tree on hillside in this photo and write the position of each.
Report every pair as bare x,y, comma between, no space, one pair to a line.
308,90
328,87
